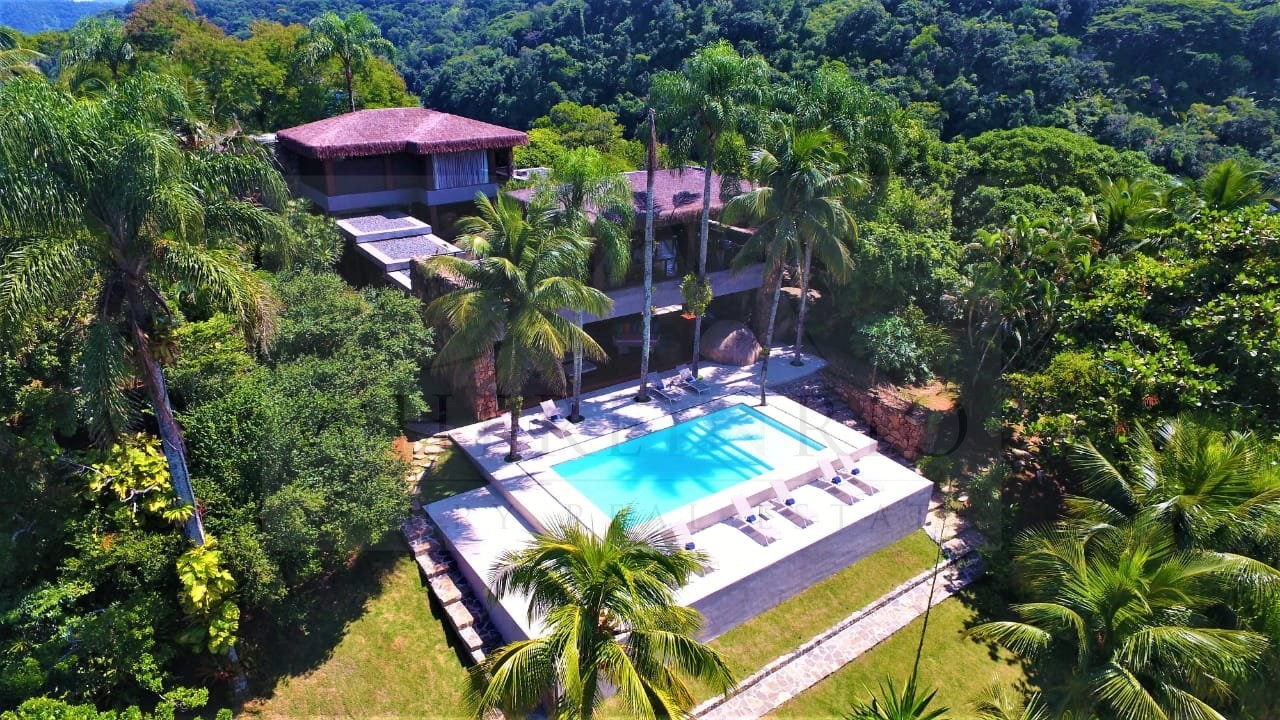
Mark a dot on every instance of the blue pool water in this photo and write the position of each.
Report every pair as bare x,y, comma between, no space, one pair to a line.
664,470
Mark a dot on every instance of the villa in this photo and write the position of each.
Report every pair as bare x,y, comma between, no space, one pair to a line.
778,497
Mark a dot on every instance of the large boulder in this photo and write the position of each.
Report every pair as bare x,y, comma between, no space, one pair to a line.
729,342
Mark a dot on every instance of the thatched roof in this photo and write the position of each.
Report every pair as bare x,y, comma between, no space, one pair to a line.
677,194
418,131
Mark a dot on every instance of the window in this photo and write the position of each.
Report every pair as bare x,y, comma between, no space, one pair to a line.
461,169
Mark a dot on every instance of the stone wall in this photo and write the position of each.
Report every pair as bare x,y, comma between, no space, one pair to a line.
910,429
476,384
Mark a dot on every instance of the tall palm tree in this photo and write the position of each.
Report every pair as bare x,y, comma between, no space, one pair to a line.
798,203
713,94
102,199
1136,615
525,271
15,60
646,334
831,248
352,40
1212,490
589,197
95,40
608,605
1232,184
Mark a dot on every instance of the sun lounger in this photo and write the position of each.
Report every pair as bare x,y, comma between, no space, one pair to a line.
851,471
688,380
681,531
834,483
552,416
784,505
658,387
750,523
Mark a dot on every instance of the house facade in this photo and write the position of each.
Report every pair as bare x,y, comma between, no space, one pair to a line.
414,159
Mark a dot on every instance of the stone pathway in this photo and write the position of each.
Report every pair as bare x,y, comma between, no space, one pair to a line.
792,674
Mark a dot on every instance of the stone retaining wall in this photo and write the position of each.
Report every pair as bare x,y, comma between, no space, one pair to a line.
908,428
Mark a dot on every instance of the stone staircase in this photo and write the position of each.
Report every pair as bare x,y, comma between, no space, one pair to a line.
465,612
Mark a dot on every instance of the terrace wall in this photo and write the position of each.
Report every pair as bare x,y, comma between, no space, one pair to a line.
772,585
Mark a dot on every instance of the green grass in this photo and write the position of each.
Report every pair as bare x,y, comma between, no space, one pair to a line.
375,646
758,641
394,659
959,668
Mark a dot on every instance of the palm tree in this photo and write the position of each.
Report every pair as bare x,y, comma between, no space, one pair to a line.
352,40
712,95
590,198
797,207
15,60
909,703
1135,614
102,199
98,40
831,249
1212,490
525,271
608,605
651,165
999,702
1231,185
1124,210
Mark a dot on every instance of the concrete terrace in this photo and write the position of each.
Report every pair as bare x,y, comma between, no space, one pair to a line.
747,577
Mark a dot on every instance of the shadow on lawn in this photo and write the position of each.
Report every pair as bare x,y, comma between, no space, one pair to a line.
305,636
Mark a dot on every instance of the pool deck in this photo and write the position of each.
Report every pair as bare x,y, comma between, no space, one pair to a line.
481,524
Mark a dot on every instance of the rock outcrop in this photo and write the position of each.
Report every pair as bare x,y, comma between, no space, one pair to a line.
729,342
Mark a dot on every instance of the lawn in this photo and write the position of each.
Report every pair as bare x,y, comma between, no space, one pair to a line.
959,668
786,627
377,646
394,659
381,648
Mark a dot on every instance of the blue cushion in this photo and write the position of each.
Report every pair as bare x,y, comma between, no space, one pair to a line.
751,518
791,501
688,546
835,480
856,471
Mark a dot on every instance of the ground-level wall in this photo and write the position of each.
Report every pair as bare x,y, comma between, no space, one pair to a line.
770,586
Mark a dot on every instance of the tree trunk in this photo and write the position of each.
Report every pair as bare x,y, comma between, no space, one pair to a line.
703,228
804,302
175,454
513,454
768,338
175,448
575,413
647,315
351,96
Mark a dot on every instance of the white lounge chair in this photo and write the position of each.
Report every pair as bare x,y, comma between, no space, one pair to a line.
681,531
659,387
750,523
850,472
687,379
834,483
551,414
784,505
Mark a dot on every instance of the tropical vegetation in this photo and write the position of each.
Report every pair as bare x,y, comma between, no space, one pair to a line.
607,603
1065,214
526,269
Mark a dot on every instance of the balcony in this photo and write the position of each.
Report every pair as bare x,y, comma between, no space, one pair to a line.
399,197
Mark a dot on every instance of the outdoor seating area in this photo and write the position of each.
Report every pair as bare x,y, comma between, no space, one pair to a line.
788,527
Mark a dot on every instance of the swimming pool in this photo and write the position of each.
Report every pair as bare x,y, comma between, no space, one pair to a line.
673,467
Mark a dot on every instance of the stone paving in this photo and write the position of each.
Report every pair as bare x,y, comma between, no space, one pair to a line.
792,674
